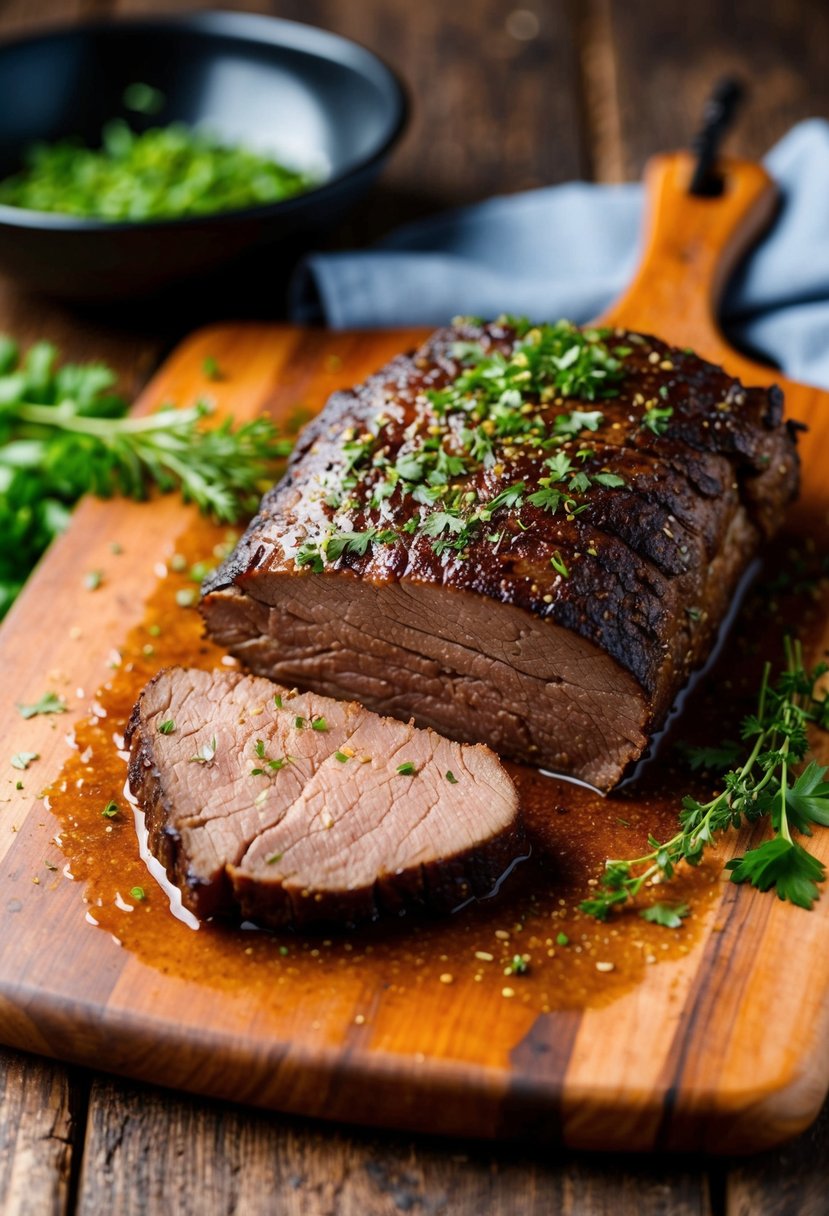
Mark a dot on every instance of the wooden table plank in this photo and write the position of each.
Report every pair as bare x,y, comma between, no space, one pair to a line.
789,1181
41,1111
653,66
151,1152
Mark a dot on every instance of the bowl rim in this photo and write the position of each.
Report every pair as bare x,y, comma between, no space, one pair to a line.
255,28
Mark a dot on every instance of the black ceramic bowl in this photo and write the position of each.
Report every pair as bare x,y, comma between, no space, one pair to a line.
305,95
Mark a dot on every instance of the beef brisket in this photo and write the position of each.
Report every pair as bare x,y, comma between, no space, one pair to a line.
293,808
541,575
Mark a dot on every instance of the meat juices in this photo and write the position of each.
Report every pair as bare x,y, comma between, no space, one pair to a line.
291,808
557,639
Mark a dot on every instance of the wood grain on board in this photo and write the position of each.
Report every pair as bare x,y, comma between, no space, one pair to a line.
686,1057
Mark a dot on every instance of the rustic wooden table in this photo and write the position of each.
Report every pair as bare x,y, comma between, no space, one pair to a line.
508,95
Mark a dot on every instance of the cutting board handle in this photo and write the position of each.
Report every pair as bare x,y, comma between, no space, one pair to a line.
692,244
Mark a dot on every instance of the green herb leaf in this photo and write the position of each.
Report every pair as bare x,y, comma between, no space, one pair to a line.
138,893
110,810
407,769
559,565
49,703
719,756
782,865
450,777
167,727
668,915
22,760
657,419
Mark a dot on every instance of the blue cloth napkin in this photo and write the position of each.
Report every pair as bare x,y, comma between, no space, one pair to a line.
566,251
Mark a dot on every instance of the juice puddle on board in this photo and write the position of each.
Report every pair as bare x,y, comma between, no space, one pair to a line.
571,960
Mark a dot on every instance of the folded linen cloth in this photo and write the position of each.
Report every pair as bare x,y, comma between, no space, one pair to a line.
566,251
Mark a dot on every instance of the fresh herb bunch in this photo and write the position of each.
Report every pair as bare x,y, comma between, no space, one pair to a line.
764,786
63,433
166,172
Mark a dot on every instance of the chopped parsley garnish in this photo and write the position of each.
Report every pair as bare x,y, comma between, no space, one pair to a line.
579,420
562,939
559,565
22,760
167,727
277,700
505,398
138,893
270,766
299,722
211,369
338,543
517,965
547,361
319,724
342,757
309,555
407,769
657,418
670,916
110,810
509,497
273,859
450,777
49,703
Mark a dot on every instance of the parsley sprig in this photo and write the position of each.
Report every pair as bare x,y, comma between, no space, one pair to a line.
766,785
63,433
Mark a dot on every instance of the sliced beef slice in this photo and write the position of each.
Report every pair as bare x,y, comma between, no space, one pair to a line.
559,639
288,808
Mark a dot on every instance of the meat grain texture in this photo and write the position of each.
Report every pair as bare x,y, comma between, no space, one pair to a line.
559,639
288,808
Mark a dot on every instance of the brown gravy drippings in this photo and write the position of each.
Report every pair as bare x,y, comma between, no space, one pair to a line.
573,830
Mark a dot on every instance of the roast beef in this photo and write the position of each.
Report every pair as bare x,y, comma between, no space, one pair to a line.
289,807
440,561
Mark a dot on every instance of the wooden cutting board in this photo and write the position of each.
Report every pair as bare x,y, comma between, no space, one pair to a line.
723,1045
